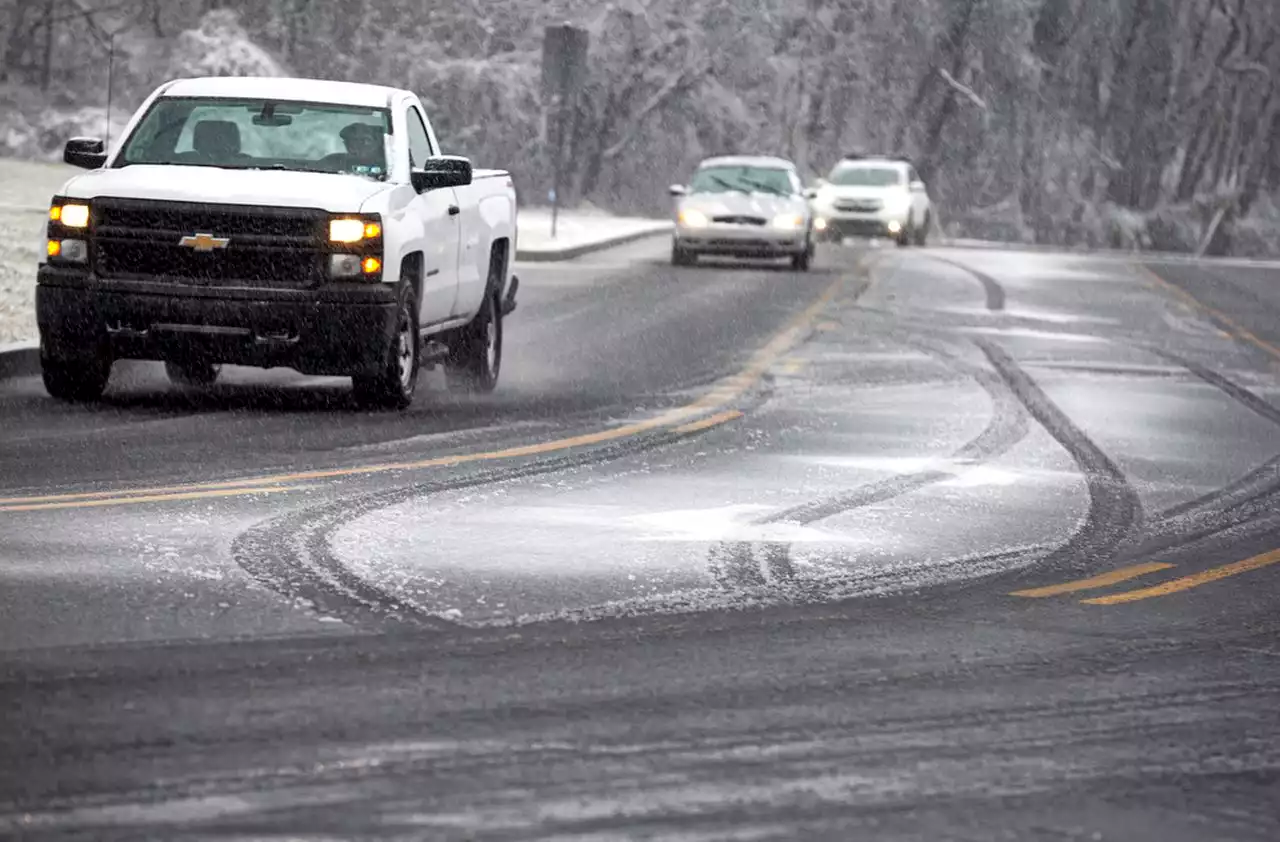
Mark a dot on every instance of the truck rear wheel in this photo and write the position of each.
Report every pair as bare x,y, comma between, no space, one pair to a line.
75,379
475,354
397,383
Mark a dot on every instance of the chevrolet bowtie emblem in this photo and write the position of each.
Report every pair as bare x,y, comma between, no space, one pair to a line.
204,242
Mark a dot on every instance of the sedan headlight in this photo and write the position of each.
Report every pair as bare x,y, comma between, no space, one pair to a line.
788,221
70,215
693,218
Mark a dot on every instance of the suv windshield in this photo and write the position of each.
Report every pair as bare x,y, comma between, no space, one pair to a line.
261,134
858,175
742,180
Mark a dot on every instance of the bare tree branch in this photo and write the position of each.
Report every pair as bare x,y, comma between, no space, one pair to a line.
962,89
676,85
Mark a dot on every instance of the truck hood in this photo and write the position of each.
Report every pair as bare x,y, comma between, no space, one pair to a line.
333,192
763,205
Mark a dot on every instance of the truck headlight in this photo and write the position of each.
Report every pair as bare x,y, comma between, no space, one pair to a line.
354,266
68,251
693,218
70,215
349,230
788,221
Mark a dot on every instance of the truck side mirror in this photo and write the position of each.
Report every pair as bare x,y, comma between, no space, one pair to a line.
678,190
917,186
88,153
811,192
441,171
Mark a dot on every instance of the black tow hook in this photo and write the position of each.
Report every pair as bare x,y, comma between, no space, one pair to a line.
509,304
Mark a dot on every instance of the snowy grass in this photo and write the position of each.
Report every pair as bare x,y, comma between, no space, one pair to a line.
30,184
578,227
21,240
25,190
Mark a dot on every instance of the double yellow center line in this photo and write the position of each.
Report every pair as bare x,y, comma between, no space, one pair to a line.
1124,574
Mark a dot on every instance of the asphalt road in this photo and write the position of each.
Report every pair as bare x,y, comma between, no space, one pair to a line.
923,544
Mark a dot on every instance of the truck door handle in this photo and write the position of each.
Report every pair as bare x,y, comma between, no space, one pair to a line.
454,210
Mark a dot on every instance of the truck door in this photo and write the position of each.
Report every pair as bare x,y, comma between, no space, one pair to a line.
441,220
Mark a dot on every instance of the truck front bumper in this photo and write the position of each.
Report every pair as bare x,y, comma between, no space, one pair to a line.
337,330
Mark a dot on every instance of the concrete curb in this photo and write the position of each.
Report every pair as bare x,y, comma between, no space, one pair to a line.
570,252
19,359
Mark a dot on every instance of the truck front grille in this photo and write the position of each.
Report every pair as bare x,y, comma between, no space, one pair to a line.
234,265
268,247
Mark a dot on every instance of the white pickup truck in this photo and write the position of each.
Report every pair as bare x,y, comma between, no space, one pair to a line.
277,222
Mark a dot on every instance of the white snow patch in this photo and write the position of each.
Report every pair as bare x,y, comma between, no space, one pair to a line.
577,228
983,475
726,523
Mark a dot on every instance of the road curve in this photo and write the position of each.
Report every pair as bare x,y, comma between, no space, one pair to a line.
925,543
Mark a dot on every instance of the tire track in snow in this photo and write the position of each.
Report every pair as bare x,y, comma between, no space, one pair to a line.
753,564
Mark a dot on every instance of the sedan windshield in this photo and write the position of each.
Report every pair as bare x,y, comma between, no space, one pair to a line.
261,134
742,180
864,176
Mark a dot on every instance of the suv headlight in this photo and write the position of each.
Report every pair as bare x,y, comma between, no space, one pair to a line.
788,221
897,203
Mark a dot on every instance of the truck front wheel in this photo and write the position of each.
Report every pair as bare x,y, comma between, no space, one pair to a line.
75,379
475,355
395,386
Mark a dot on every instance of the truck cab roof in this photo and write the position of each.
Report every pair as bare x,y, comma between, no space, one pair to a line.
284,88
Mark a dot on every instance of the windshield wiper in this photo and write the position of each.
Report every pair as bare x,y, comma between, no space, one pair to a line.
283,168
728,185
764,188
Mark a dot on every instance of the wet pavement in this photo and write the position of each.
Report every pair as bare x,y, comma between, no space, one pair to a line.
940,544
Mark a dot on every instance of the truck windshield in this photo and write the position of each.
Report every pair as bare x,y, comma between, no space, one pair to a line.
261,134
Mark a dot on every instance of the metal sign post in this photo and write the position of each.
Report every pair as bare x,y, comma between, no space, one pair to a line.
564,63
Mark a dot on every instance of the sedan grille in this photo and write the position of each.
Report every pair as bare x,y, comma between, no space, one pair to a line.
739,219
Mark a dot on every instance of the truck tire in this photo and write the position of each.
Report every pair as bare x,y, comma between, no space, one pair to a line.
75,379
682,257
192,373
475,354
397,383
